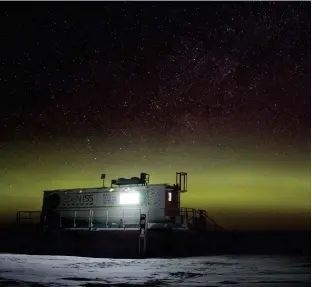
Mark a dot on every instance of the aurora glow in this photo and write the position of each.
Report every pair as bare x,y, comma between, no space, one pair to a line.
240,187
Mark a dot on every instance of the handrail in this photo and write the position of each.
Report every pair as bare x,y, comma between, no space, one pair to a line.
76,215
187,210
29,212
88,215
204,212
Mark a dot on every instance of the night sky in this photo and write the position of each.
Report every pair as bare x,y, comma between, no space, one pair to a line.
220,90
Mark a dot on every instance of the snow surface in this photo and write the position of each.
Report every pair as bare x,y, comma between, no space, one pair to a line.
30,270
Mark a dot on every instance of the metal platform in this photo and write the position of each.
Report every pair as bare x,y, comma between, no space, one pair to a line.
190,219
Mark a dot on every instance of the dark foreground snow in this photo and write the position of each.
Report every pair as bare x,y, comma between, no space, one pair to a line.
30,270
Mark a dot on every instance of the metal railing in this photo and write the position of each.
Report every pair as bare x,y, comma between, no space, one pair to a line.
92,218
74,218
190,215
68,218
29,215
89,218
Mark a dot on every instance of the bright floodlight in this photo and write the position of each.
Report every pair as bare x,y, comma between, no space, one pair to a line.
129,198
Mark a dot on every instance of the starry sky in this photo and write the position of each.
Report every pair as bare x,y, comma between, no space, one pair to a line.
220,90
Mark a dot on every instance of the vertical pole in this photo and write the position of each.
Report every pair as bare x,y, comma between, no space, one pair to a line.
74,218
123,218
45,224
90,219
145,238
106,218
61,219
186,219
180,180
186,182
142,236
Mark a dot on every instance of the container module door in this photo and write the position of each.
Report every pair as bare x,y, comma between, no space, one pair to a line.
172,203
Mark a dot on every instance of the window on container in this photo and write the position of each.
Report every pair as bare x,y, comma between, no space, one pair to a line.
169,196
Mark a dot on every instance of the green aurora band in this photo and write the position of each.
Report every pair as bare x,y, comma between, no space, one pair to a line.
242,185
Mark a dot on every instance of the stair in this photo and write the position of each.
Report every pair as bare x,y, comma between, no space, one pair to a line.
199,219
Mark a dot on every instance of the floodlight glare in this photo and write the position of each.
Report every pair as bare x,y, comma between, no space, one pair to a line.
129,198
